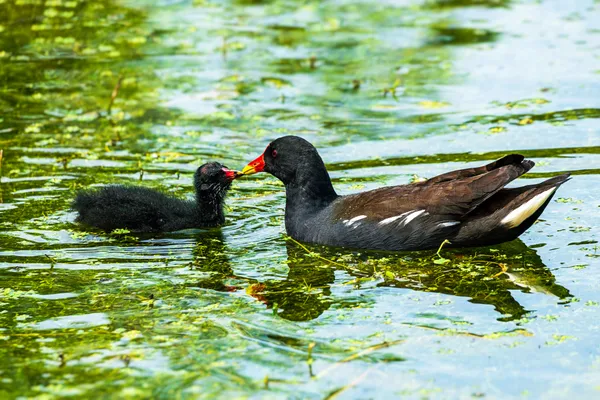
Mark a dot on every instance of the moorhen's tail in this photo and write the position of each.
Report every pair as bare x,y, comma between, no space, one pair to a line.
460,193
511,159
507,214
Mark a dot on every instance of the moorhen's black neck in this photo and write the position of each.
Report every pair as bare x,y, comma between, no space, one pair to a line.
313,186
309,192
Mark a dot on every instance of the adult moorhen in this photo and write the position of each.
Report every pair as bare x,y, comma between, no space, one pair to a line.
468,207
141,209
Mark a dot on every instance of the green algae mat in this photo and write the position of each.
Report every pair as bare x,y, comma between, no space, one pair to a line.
93,93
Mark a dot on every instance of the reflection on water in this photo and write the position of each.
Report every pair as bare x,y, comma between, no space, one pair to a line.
210,257
485,276
305,292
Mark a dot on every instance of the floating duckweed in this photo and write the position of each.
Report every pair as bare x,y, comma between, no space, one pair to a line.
433,104
525,121
497,129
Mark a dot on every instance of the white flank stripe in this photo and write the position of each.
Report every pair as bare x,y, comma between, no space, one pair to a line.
448,223
412,216
394,218
524,211
355,219
391,219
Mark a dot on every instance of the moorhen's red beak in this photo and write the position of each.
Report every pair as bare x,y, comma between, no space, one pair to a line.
231,174
255,166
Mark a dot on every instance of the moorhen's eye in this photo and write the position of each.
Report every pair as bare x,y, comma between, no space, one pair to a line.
274,153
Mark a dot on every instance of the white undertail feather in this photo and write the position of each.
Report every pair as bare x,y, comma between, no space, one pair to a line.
524,211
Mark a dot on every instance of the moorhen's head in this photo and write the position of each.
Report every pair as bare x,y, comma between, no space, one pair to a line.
213,179
289,158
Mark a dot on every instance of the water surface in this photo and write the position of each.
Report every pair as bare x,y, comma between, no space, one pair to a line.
387,91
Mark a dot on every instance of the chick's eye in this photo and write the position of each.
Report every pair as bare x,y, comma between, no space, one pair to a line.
274,153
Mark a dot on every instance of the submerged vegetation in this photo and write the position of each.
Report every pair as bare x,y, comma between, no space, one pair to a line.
185,314
93,93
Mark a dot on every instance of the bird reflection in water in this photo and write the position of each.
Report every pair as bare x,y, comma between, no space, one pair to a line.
302,296
209,255
485,275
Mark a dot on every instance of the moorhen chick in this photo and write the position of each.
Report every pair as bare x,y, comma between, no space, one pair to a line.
141,209
468,207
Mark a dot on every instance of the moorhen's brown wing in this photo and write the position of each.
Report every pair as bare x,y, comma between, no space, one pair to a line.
443,195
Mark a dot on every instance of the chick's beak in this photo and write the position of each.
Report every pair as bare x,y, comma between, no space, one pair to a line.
231,174
255,166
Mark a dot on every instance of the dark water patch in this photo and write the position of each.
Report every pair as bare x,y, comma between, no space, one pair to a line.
458,36
442,4
583,242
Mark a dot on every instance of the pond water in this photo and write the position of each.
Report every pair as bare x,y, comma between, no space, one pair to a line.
93,93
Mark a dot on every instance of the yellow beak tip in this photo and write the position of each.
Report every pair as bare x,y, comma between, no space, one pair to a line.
248,170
